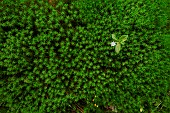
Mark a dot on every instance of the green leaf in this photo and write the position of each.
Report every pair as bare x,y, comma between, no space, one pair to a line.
123,38
114,37
118,47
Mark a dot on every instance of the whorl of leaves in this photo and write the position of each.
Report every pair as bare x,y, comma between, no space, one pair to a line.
55,56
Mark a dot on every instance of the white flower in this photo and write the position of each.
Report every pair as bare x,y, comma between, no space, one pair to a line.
113,43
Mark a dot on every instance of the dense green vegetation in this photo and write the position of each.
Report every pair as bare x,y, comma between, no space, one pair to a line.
57,56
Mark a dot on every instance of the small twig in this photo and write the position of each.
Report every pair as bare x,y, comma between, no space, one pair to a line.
79,108
159,105
160,108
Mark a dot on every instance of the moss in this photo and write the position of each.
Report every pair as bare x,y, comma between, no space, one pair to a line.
57,57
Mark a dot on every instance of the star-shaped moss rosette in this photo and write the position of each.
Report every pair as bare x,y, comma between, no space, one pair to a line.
117,42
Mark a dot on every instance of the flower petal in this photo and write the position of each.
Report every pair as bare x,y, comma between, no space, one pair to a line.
113,44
